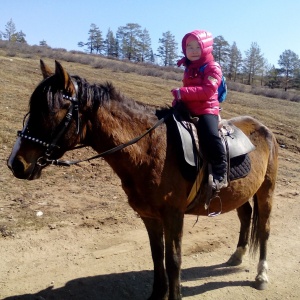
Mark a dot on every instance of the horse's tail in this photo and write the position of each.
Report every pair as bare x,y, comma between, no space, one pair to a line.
254,237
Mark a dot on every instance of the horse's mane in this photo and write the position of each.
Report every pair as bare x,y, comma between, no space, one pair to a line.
96,95
89,95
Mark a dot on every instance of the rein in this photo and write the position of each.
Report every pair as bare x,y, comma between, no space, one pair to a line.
73,112
58,162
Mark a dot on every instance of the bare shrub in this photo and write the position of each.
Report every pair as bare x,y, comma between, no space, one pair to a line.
127,68
172,76
11,53
283,95
97,64
235,86
270,93
27,55
256,91
295,98
275,93
85,59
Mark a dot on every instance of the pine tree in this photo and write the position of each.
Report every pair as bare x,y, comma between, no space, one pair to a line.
221,51
253,62
235,62
18,37
10,30
95,41
144,48
111,44
167,50
129,38
289,63
43,43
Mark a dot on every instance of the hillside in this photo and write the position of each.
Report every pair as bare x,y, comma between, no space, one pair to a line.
89,244
281,116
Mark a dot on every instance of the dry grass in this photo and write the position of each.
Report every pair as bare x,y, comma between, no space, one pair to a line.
20,75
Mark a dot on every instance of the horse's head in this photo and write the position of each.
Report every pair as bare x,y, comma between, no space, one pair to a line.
51,126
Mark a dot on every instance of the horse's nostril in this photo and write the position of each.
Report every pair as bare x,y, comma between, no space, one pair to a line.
17,166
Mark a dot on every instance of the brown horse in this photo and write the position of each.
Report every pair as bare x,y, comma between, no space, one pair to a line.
65,111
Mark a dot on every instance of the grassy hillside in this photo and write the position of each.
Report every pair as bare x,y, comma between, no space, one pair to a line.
20,74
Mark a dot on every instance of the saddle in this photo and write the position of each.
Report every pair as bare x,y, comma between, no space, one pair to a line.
237,146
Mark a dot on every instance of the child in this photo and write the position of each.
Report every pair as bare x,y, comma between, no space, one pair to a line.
199,95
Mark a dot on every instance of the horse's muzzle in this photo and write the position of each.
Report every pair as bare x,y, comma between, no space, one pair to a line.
21,171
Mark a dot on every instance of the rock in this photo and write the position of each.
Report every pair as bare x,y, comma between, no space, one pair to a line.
39,213
52,226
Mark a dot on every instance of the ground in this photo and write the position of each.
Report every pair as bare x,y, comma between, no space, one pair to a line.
72,235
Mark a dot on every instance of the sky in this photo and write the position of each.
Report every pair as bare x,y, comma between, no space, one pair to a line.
273,25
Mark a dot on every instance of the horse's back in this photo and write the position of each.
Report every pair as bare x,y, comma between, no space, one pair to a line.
255,130
266,151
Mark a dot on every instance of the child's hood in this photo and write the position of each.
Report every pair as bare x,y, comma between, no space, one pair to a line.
205,40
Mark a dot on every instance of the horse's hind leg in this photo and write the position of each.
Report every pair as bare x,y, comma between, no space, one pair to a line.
263,201
260,234
155,232
244,213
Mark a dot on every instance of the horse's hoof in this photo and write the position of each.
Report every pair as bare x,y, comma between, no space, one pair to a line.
234,261
260,284
237,257
261,280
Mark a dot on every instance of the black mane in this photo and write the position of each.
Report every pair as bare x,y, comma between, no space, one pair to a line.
90,96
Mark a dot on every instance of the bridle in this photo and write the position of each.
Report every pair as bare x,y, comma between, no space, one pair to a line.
73,112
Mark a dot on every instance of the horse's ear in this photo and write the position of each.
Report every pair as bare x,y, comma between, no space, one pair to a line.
46,71
64,78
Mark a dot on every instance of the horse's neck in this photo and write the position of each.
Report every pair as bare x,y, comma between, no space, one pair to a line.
116,124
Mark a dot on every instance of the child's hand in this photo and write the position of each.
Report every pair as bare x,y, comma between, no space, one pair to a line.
176,94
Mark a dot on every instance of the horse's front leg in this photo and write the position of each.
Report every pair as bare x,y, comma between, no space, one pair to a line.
160,284
173,226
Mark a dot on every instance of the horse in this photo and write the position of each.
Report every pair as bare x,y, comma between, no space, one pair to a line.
66,111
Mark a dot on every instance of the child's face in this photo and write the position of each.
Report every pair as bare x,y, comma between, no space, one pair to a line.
193,50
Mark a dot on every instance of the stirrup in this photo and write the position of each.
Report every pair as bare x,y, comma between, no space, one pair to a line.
215,196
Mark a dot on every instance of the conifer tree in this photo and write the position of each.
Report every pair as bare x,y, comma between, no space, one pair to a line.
167,50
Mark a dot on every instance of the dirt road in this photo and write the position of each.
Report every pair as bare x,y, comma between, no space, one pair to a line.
71,235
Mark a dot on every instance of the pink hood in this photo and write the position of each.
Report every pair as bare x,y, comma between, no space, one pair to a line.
205,40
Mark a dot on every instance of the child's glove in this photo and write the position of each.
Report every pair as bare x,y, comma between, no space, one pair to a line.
176,94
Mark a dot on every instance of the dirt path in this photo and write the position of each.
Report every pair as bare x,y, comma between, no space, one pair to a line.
89,244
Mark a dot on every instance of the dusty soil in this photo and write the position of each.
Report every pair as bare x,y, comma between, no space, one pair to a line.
89,244
72,235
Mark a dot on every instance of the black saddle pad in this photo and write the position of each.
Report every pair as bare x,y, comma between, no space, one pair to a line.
239,167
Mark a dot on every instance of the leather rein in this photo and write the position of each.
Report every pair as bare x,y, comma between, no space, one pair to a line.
73,113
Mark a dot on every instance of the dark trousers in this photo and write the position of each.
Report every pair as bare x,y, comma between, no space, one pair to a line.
211,145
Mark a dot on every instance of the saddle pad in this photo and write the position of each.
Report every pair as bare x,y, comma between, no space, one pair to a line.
239,167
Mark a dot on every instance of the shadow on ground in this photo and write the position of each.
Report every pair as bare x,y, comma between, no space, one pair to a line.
132,285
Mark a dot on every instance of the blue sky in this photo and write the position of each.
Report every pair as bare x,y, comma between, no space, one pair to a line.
273,25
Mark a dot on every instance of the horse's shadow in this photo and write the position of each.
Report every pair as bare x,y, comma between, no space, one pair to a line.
131,285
